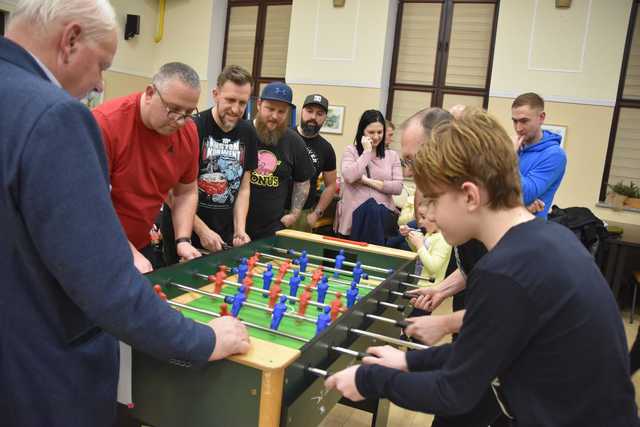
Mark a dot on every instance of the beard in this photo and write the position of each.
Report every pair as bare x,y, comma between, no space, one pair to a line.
310,128
269,137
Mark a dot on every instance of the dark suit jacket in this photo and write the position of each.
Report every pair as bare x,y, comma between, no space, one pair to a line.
68,286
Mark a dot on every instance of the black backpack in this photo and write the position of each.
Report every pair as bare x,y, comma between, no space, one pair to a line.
588,228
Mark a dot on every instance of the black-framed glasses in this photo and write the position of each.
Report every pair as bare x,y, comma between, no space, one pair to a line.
175,115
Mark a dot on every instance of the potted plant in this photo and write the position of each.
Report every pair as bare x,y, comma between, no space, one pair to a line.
634,200
624,195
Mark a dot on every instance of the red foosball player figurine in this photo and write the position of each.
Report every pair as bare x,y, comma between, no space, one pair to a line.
218,282
278,281
317,275
248,282
336,306
304,300
224,310
252,261
219,278
283,268
273,294
158,290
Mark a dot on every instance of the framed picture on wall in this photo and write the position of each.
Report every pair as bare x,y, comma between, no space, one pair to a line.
335,120
557,129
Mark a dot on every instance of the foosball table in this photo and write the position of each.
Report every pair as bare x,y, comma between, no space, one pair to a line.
312,305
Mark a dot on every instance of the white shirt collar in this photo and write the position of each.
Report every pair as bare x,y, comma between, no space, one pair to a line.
46,70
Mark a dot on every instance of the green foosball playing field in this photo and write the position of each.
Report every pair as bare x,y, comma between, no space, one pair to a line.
273,384
295,326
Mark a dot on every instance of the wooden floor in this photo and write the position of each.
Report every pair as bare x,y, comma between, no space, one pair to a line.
343,416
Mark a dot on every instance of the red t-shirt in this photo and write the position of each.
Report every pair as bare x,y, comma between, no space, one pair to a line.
143,165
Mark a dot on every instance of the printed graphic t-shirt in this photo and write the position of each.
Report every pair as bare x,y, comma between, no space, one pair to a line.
224,157
278,168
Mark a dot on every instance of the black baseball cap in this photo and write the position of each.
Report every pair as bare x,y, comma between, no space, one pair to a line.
317,99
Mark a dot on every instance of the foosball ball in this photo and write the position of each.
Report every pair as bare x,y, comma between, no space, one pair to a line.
312,305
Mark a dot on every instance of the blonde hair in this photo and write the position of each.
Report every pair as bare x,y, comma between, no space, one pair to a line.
473,148
97,16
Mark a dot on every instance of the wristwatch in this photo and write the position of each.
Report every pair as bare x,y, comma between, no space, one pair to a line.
319,213
183,239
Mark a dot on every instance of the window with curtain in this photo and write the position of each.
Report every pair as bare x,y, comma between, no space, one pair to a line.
257,38
623,154
442,55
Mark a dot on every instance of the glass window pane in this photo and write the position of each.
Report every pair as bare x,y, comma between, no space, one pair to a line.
450,99
241,36
470,45
625,164
632,81
276,41
406,103
418,44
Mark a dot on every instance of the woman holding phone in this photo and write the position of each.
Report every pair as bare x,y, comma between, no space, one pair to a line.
369,171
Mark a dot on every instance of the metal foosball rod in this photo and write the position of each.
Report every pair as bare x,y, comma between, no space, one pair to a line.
286,282
399,323
357,354
319,372
395,293
237,285
279,258
244,322
342,282
389,340
351,264
244,304
322,258
399,307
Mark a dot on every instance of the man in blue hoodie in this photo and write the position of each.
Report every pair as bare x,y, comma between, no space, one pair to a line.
541,159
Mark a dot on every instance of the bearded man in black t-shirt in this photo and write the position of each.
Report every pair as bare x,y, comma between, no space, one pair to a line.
228,154
284,167
312,118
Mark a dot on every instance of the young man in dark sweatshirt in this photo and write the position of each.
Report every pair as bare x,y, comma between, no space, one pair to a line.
547,335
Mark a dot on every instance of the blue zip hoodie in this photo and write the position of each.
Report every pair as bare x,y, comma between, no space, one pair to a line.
542,167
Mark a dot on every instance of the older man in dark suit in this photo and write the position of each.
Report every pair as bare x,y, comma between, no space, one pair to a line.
69,286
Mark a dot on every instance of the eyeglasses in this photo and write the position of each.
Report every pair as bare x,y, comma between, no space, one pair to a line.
407,163
175,115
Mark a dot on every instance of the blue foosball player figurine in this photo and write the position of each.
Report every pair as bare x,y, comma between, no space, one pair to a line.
322,289
278,313
357,272
267,277
241,270
238,300
339,261
303,261
352,294
323,321
294,283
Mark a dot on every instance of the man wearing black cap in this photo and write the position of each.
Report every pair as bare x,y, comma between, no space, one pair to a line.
312,118
283,164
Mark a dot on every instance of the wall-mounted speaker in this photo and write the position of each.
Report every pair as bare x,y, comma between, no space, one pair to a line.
131,26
